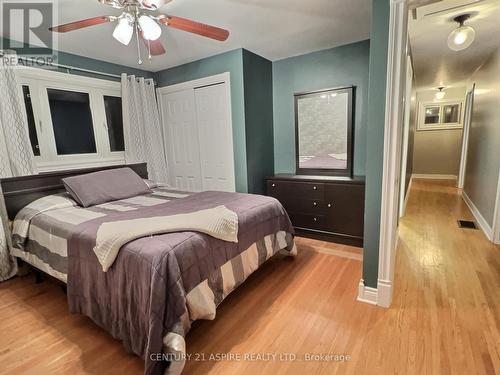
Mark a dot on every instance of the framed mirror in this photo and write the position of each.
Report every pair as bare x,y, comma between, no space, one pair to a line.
324,132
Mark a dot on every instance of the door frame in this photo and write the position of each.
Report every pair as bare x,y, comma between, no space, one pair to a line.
196,83
496,216
389,216
403,193
469,102
222,78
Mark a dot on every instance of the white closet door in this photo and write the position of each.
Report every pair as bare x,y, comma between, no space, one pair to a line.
215,137
181,139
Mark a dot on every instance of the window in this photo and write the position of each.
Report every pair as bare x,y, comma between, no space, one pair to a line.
451,113
440,116
73,121
432,115
114,119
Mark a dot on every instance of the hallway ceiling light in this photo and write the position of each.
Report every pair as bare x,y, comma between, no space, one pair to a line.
440,94
463,36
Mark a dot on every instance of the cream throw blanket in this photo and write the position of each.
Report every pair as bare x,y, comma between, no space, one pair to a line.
218,222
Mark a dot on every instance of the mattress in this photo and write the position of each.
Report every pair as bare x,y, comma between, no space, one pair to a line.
40,230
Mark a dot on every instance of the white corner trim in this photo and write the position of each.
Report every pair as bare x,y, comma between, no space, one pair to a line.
367,294
465,137
396,81
483,224
432,176
407,195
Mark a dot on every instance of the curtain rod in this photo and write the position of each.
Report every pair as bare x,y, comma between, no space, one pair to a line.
63,66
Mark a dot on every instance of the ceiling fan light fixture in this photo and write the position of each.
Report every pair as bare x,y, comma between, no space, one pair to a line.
124,30
150,28
463,36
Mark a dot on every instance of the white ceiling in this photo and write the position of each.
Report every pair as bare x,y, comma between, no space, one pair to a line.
434,63
274,29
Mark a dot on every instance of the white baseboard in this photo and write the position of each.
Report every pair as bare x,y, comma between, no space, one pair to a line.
384,293
367,294
483,224
435,176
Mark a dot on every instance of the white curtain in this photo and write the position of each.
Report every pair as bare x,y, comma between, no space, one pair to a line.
16,155
142,128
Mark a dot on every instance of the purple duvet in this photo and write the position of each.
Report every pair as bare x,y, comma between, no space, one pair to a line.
143,295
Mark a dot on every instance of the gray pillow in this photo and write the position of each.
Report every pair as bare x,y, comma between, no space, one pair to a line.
105,186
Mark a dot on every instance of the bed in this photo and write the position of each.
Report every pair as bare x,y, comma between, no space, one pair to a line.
159,283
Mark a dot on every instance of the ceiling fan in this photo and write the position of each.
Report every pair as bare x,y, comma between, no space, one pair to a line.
142,17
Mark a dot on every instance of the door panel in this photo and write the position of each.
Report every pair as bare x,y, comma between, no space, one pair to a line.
181,139
215,138
345,209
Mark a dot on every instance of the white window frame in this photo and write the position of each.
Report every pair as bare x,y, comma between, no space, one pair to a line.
421,126
39,81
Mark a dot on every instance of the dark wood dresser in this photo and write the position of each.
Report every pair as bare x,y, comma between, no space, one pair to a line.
322,207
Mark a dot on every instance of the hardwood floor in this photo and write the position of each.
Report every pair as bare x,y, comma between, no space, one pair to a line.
445,317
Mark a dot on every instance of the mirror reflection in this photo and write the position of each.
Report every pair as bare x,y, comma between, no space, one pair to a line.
323,130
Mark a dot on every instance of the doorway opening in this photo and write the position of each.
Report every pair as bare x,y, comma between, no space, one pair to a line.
440,101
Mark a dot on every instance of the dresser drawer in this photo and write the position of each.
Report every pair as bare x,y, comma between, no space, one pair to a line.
303,206
345,209
288,189
308,221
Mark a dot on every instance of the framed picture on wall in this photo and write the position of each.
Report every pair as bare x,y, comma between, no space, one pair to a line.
440,116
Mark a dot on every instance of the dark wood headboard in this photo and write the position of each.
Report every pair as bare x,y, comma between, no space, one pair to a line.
20,191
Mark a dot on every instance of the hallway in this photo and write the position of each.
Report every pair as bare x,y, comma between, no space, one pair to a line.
447,294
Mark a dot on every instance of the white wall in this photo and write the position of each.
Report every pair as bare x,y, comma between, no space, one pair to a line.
438,151
483,157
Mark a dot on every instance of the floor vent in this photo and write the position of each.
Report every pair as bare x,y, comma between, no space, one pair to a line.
467,224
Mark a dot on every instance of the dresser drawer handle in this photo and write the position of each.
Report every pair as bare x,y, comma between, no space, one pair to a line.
315,204
315,188
273,185
315,219
329,205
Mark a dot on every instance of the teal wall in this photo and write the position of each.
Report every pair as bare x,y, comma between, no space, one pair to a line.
375,133
231,62
258,78
93,64
336,67
262,93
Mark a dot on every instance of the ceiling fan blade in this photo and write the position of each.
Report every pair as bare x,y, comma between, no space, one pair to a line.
81,24
195,27
155,46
